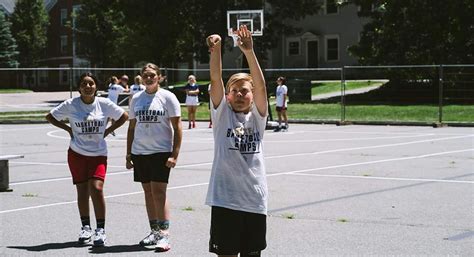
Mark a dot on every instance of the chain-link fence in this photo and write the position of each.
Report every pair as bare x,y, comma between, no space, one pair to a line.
421,94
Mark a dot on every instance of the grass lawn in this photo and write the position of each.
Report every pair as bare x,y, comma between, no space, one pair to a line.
183,83
306,111
330,87
14,90
420,113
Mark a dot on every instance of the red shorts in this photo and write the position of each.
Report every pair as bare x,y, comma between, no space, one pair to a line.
84,167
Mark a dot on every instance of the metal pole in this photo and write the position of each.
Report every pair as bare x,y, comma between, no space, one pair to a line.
440,111
343,92
70,82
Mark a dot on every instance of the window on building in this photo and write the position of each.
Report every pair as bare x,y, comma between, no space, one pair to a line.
332,48
63,75
365,7
331,7
293,47
63,17
75,11
63,46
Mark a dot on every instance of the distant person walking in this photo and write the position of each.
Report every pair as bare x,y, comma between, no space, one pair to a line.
192,101
87,154
281,104
153,143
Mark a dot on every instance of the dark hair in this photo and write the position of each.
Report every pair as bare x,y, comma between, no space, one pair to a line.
283,80
87,74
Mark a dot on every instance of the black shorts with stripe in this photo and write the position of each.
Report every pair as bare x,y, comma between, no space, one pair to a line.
234,232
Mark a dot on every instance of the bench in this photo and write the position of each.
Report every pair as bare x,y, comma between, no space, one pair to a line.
4,174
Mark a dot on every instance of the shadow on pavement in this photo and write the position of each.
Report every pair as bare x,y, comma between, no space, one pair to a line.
50,246
118,249
74,244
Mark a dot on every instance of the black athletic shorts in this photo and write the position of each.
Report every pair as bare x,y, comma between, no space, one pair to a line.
279,109
234,232
151,167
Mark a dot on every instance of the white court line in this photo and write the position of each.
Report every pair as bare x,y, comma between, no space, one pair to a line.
373,162
368,147
269,175
69,178
386,178
268,157
108,138
344,139
57,164
369,132
106,197
31,128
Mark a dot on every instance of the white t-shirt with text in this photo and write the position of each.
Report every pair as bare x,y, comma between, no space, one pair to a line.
114,91
88,123
153,130
136,88
238,179
280,92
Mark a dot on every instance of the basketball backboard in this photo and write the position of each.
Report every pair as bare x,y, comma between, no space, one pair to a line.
252,18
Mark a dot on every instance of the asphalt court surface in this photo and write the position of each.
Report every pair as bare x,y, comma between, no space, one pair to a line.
334,190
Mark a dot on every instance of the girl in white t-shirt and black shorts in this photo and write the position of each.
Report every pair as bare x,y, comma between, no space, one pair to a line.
153,143
281,103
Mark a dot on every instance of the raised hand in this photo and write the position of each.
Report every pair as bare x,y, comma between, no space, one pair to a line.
244,40
213,41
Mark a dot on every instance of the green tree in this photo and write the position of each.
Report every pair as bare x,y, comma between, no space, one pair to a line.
101,32
8,45
416,32
166,32
29,27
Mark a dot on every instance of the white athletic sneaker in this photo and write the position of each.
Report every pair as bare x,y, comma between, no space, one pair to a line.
99,237
85,234
150,240
163,243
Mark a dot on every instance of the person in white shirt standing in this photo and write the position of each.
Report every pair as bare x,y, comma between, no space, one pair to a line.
124,82
115,89
237,190
87,154
135,88
153,143
281,103
138,86
192,101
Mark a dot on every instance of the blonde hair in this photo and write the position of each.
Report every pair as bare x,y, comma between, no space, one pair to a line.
138,79
151,66
237,77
